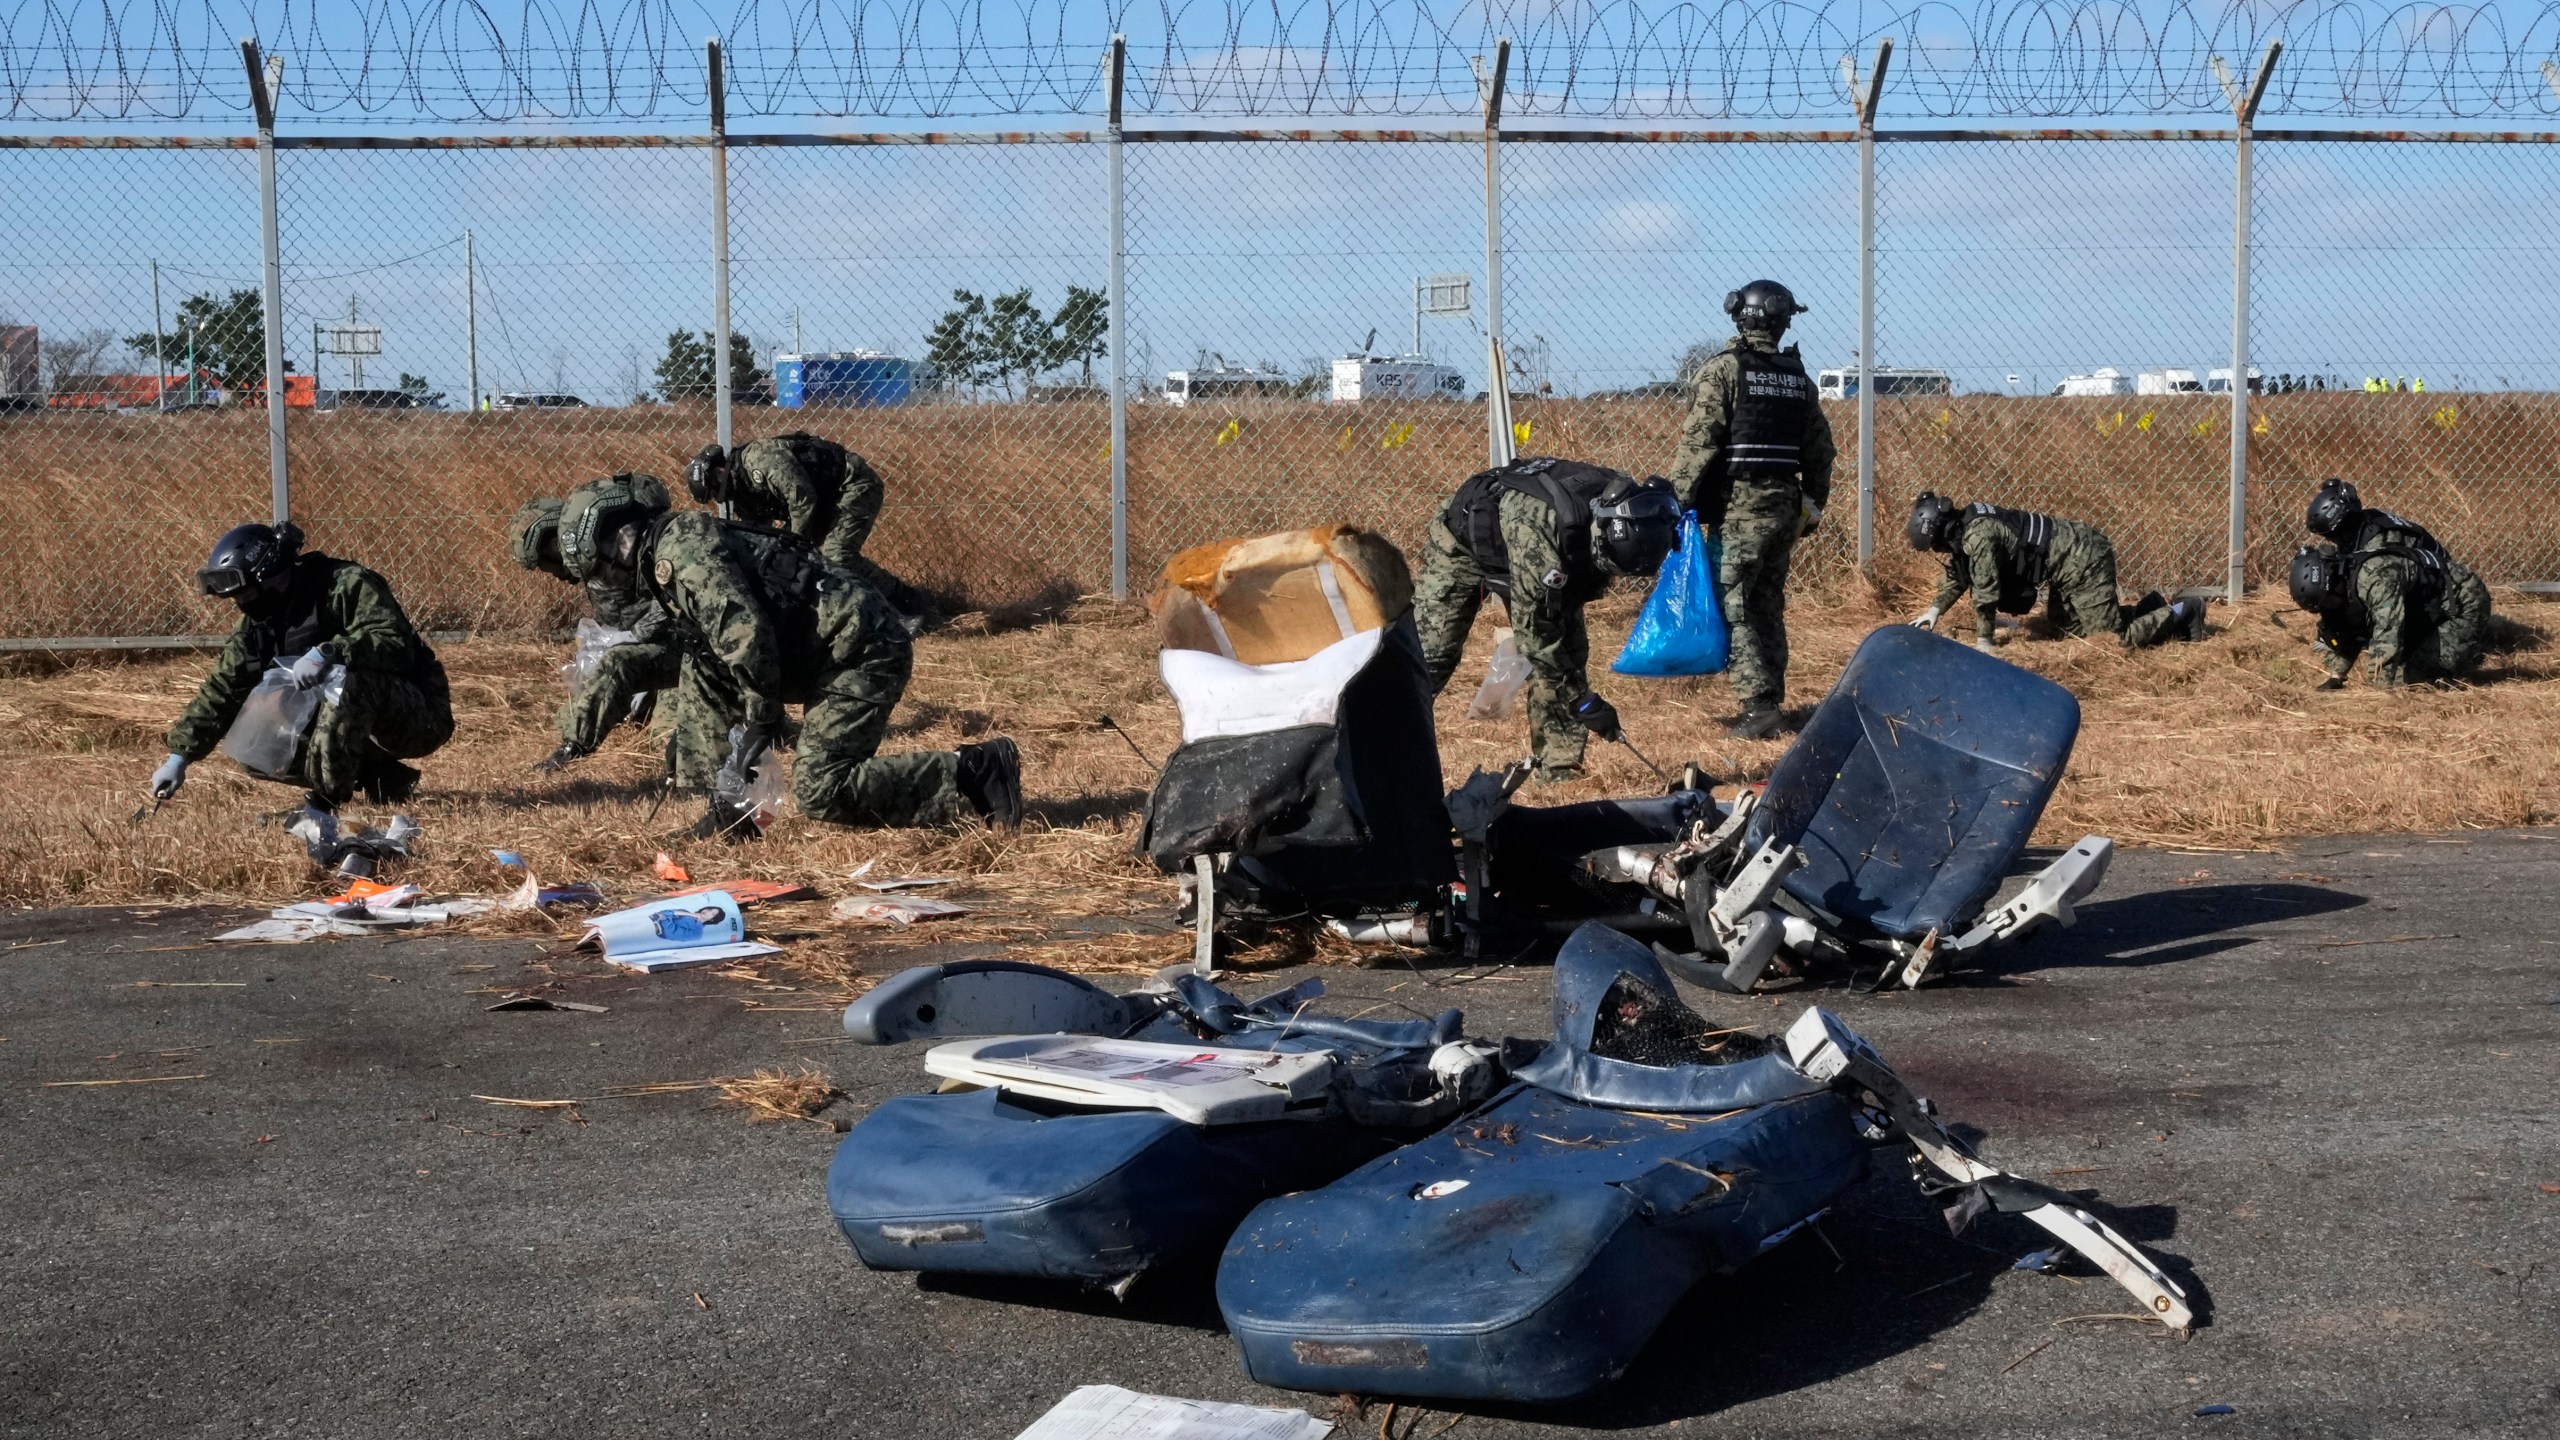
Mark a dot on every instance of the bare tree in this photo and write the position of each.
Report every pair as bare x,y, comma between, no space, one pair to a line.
1694,359
71,361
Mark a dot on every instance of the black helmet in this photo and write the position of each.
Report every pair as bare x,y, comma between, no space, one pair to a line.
533,537
2318,578
708,476
2333,510
1933,521
1762,305
248,556
1633,526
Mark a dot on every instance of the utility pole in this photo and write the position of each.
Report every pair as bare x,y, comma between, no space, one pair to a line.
471,322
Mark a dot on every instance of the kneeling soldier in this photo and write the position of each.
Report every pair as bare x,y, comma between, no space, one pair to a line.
2411,611
816,489
317,614
782,627
2008,558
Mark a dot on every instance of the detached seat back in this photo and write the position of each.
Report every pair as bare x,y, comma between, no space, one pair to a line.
1915,786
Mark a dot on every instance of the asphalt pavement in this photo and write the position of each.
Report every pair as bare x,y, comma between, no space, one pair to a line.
2323,1081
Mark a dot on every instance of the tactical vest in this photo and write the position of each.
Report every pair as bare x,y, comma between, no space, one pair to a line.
2034,534
822,460
784,575
1568,486
1772,409
303,621
2429,563
2393,530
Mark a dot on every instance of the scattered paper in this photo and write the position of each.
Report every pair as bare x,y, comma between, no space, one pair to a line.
910,882
897,909
749,892
669,871
671,934
388,908
1107,1412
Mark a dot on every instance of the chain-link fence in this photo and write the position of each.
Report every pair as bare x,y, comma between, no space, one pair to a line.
470,322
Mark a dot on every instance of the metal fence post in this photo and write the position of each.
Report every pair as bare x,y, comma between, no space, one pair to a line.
263,80
471,323
720,379
1865,100
1497,389
2244,112
1119,305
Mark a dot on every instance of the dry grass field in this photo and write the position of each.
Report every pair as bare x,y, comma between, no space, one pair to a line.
1008,505
2220,744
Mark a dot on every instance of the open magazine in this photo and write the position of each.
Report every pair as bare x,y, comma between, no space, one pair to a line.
673,932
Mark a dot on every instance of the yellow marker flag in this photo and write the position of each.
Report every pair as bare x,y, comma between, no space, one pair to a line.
1234,429
2143,424
2259,426
1343,441
2447,417
1520,430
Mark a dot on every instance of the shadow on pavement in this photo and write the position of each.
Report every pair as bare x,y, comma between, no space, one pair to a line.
2162,927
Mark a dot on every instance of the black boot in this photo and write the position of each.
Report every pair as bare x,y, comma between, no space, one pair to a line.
1759,721
2194,626
390,783
991,781
727,820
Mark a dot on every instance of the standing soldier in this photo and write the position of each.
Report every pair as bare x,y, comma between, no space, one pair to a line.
781,627
2412,611
1755,464
1546,536
625,680
322,617
2006,558
814,488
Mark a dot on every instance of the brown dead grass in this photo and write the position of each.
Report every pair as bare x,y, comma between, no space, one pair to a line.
1008,505
2222,744
796,1092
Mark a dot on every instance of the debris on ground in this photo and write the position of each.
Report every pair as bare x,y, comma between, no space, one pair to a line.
899,910
748,892
364,908
545,1002
672,934
669,871
889,883
356,854
534,895
795,1094
1094,1412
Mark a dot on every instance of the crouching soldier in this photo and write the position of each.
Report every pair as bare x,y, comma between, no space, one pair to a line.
2411,611
326,619
781,627
1546,536
815,489
627,679
2008,558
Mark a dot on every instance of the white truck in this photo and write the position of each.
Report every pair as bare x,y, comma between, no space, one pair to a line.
1403,377
2105,380
2167,382
1223,382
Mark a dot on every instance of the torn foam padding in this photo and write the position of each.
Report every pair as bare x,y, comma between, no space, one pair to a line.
1219,696
1272,599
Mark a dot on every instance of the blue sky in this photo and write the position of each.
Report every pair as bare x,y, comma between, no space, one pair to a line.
2035,259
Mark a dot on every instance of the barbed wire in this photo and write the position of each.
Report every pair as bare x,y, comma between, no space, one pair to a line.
376,62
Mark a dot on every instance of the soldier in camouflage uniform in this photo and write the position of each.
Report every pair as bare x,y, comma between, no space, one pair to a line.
782,627
2008,558
2414,613
1546,536
316,614
813,488
625,680
1755,464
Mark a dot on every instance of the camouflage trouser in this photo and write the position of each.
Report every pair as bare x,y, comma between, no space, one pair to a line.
693,721
2080,587
2455,643
1445,599
378,720
621,675
1759,542
839,775
857,511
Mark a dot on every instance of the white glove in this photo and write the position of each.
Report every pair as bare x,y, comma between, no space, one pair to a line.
171,774
1982,645
1926,619
312,668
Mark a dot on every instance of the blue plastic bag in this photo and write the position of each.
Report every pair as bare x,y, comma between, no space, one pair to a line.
1681,630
